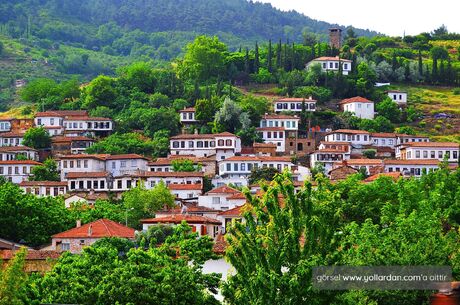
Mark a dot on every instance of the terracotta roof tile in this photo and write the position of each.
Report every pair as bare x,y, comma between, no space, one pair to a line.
236,211
42,183
412,162
351,131
328,58
189,109
258,158
20,162
432,144
178,218
224,189
280,116
169,174
98,229
295,100
62,113
394,175
185,187
356,99
31,254
16,148
76,175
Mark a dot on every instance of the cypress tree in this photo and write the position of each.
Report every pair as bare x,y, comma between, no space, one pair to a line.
285,58
434,70
442,72
450,77
420,63
246,62
394,62
278,55
407,72
269,56
256,59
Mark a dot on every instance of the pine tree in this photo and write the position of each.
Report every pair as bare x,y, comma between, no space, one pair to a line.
256,59
269,57
285,58
442,72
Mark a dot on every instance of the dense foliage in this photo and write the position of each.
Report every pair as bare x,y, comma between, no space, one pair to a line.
285,234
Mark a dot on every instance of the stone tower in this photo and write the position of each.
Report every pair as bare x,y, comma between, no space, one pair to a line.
335,38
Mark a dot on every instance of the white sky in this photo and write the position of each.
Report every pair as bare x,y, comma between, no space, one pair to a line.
391,17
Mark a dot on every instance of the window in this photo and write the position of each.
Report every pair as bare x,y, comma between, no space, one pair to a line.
390,142
199,144
383,141
417,154
324,65
175,144
243,167
359,105
39,121
331,65
182,144
455,154
235,167
190,144
71,164
432,154
114,165
102,184
85,163
16,170
78,163
24,169
65,164
52,121
249,166
220,143
65,246
128,184
133,163
336,65
228,142
88,184
394,97
425,154
215,200
229,167
345,66
439,154
72,185
123,164
120,184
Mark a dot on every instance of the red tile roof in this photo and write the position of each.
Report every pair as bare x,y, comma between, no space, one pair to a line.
373,162
235,212
272,129
356,99
351,131
224,189
12,134
258,158
86,118
178,218
185,187
76,175
190,209
20,162
383,135
98,229
15,148
412,162
43,183
60,139
280,116
170,174
328,58
101,157
264,145
190,109
125,156
432,144
295,100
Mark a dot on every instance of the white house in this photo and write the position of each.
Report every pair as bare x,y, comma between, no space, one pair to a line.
329,153
186,191
125,164
372,166
383,139
237,169
356,138
222,198
88,181
276,128
331,64
294,104
411,167
223,145
17,171
72,122
187,116
429,150
44,188
399,97
359,107
13,152
200,224
11,138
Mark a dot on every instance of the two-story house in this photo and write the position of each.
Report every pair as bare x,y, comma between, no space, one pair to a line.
15,152
399,97
17,171
44,188
279,129
11,138
222,145
429,150
222,198
331,64
329,153
187,116
294,104
359,106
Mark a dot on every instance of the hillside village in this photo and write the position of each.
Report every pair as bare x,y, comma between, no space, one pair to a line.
183,166
218,157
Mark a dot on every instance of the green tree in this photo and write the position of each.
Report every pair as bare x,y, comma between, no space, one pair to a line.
142,203
256,59
389,109
204,58
13,280
46,172
206,109
154,236
262,174
124,143
99,210
185,165
228,116
21,212
1,48
106,274
138,75
370,153
38,90
37,137
100,92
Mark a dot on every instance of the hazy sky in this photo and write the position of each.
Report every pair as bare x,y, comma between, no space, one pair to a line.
391,17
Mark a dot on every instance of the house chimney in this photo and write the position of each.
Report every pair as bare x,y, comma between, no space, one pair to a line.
78,223
196,131
90,230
